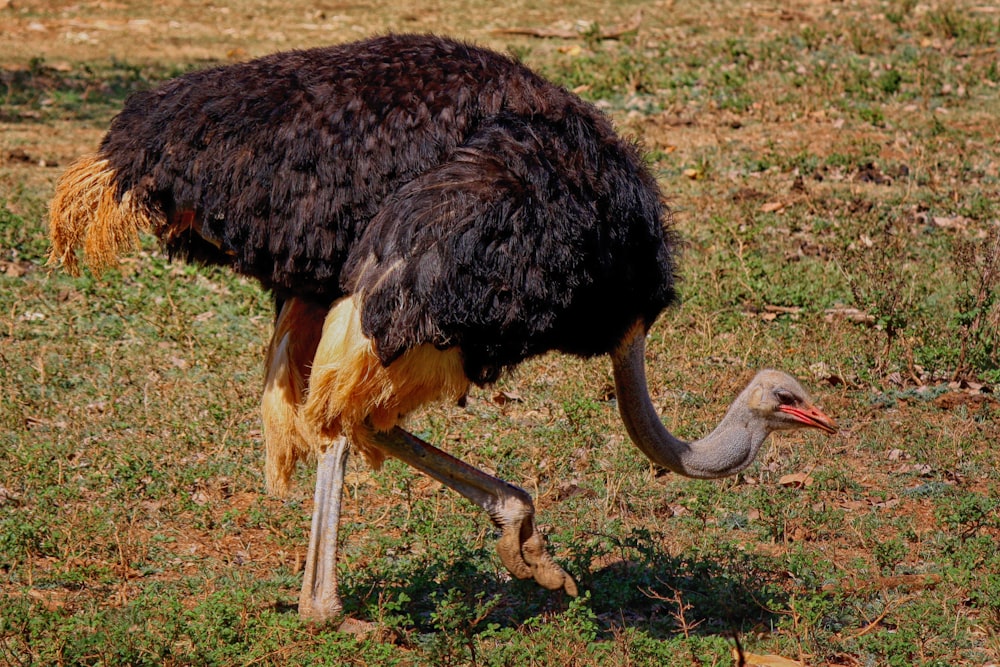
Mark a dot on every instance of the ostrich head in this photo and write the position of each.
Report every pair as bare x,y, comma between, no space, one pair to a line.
773,401
781,404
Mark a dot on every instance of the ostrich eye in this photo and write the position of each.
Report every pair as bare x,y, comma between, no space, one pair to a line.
785,397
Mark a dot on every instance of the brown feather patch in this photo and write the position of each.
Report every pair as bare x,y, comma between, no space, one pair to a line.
351,393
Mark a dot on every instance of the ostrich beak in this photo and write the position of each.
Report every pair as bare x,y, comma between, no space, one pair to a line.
811,416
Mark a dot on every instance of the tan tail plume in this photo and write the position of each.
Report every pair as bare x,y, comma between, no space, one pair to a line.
87,213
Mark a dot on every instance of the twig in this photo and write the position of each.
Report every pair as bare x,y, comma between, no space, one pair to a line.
909,582
685,625
878,619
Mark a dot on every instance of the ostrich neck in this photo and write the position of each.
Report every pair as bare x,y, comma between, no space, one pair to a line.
731,447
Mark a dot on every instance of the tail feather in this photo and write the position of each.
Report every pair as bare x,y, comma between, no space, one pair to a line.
87,212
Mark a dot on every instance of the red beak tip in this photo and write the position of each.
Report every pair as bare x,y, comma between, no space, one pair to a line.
813,418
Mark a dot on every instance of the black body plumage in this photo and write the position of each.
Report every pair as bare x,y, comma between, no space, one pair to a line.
464,200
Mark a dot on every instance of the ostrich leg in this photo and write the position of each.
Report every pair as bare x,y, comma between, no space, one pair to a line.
521,547
318,600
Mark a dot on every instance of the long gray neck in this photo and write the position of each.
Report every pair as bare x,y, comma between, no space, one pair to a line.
731,447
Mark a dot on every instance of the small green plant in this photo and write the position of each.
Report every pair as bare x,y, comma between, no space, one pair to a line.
864,38
900,11
890,82
776,509
813,38
872,115
456,616
968,514
993,72
17,243
887,286
889,554
701,500
986,595
951,21
977,317
604,74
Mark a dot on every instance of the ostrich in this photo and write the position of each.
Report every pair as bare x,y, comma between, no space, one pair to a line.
427,214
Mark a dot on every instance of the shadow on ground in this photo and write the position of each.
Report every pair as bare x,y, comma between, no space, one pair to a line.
634,584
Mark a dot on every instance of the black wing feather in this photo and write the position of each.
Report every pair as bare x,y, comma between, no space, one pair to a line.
472,202
534,235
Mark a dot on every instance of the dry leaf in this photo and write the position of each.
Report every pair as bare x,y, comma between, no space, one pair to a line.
765,660
505,397
823,373
52,600
850,314
13,269
784,310
796,479
7,496
747,195
772,311
922,469
771,207
955,222
852,505
909,582
968,386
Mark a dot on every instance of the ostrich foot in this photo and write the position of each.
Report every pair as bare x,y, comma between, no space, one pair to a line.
354,626
521,547
522,551
319,611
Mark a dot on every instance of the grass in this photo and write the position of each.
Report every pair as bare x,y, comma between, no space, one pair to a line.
835,174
